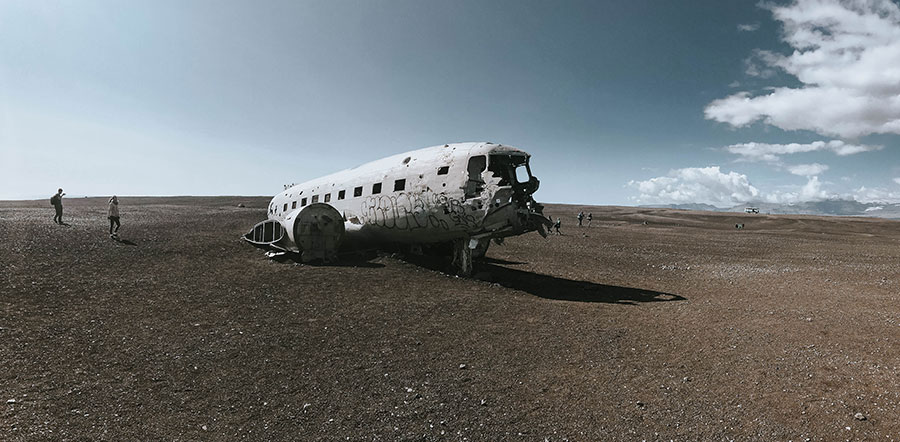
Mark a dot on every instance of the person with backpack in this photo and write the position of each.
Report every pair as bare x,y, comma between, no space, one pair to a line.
580,218
113,216
56,202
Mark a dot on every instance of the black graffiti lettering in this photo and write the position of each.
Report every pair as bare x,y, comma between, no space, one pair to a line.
412,211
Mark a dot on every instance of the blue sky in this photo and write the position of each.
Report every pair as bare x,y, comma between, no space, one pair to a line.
634,102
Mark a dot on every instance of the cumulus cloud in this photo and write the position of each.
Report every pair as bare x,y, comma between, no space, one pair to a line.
749,27
875,195
811,191
772,152
847,55
808,169
707,185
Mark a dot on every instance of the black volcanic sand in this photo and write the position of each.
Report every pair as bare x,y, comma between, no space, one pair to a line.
650,324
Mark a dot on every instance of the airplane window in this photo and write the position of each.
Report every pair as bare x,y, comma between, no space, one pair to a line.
294,205
302,202
376,188
285,207
342,194
327,197
522,175
443,170
315,198
399,185
357,191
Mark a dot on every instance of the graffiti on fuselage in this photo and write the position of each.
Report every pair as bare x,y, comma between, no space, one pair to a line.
411,211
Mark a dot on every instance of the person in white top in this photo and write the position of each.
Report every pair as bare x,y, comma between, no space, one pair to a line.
113,215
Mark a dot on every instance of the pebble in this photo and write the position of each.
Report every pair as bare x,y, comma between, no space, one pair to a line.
859,416
462,366
11,401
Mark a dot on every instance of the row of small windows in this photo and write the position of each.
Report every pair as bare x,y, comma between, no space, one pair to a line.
399,185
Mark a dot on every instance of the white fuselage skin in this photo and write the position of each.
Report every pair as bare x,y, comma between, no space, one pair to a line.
437,194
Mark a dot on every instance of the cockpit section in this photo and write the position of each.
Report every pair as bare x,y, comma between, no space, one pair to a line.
500,186
509,169
513,170
505,170
500,170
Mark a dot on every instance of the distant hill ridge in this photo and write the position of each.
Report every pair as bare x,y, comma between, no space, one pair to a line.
836,207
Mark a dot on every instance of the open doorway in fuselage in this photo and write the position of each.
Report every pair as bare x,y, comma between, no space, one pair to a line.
475,182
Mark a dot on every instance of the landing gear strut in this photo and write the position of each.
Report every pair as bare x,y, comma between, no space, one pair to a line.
462,257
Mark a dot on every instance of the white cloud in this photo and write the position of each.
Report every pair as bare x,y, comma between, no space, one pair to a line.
847,55
706,185
808,169
772,152
875,208
875,195
811,191
750,27
758,65
709,185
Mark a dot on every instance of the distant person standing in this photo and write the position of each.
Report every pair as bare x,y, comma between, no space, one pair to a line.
590,218
113,216
557,224
56,202
580,218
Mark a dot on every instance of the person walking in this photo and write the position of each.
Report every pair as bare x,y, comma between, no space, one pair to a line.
590,218
56,202
557,224
580,218
113,216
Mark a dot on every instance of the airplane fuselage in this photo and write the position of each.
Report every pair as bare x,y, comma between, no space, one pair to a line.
464,191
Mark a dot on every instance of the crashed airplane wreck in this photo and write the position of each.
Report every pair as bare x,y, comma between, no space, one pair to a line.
455,198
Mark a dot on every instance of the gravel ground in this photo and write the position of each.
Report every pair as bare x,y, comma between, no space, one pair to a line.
651,324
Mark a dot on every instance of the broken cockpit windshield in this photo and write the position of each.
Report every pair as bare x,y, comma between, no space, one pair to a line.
510,169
